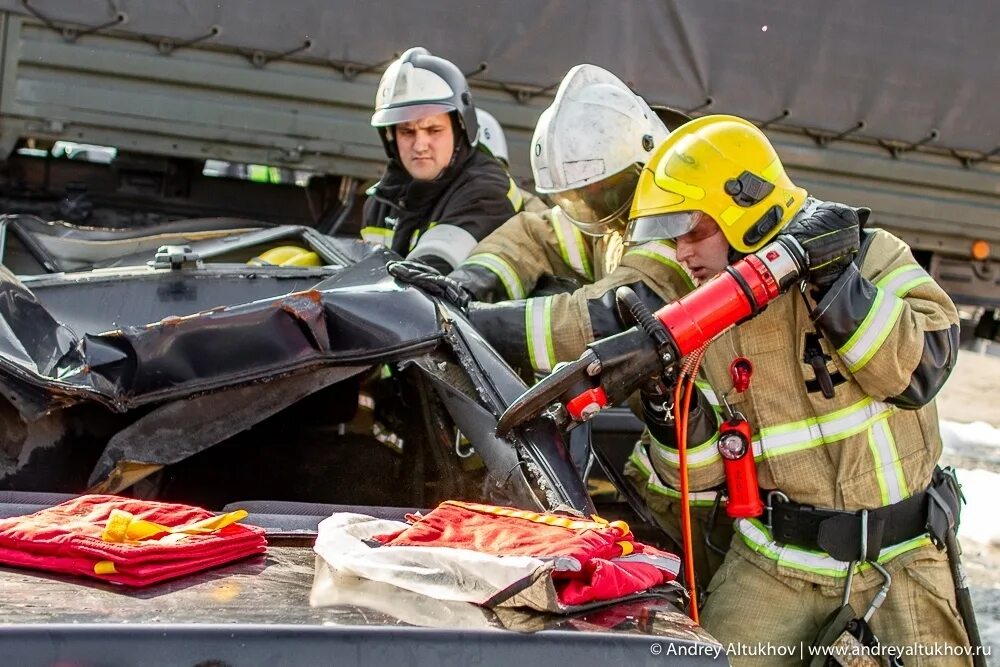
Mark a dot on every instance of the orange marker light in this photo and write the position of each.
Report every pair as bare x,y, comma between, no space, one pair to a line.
980,250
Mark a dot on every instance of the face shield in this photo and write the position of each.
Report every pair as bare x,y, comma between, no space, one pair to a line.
601,207
666,226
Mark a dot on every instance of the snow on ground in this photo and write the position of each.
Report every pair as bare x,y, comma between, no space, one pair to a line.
979,516
970,430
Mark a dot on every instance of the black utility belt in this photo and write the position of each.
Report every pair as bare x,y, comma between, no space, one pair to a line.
844,535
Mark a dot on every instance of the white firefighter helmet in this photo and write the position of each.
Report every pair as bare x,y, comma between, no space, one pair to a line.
418,85
491,135
589,147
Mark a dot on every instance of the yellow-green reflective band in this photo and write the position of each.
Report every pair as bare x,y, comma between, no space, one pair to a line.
902,279
654,484
771,171
571,245
881,319
709,393
671,184
504,271
640,459
514,195
774,441
872,332
666,255
732,215
888,471
538,326
784,439
699,456
695,498
758,537
378,235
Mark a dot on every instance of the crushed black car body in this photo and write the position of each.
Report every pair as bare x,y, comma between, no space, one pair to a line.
128,372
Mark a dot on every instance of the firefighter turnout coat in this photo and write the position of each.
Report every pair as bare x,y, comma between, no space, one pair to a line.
887,336
518,263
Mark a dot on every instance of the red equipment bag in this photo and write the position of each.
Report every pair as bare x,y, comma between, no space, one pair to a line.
126,541
607,561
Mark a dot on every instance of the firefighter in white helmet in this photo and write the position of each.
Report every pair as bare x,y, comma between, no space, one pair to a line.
440,193
586,153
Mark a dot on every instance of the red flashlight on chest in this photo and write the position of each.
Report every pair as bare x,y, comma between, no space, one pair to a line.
741,470
736,448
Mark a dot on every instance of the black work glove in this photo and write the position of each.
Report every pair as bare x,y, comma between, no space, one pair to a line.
831,237
431,281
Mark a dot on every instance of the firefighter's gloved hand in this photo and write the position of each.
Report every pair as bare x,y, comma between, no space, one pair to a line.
831,237
431,281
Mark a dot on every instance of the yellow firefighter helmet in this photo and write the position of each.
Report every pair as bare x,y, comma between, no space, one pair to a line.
722,166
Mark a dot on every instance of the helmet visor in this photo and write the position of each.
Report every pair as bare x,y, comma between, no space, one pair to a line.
599,207
404,114
660,227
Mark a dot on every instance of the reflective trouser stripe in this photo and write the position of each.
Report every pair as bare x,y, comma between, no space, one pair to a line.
504,271
640,459
665,254
758,537
378,235
514,195
881,319
891,482
571,245
775,441
538,325
872,332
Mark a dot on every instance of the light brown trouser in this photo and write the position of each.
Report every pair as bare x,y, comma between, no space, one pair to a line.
751,603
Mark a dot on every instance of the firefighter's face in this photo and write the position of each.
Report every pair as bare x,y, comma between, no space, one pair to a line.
704,251
425,146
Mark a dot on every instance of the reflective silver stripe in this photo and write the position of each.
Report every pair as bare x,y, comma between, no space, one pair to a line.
571,245
377,235
903,279
665,254
758,537
887,467
700,456
670,564
697,498
709,393
538,325
872,332
640,459
784,439
504,271
880,320
450,243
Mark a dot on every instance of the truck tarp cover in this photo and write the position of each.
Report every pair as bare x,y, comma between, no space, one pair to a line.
903,68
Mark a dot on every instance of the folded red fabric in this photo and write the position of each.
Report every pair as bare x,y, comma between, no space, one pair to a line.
611,563
126,541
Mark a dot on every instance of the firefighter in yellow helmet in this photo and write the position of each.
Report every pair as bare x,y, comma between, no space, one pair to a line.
840,403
